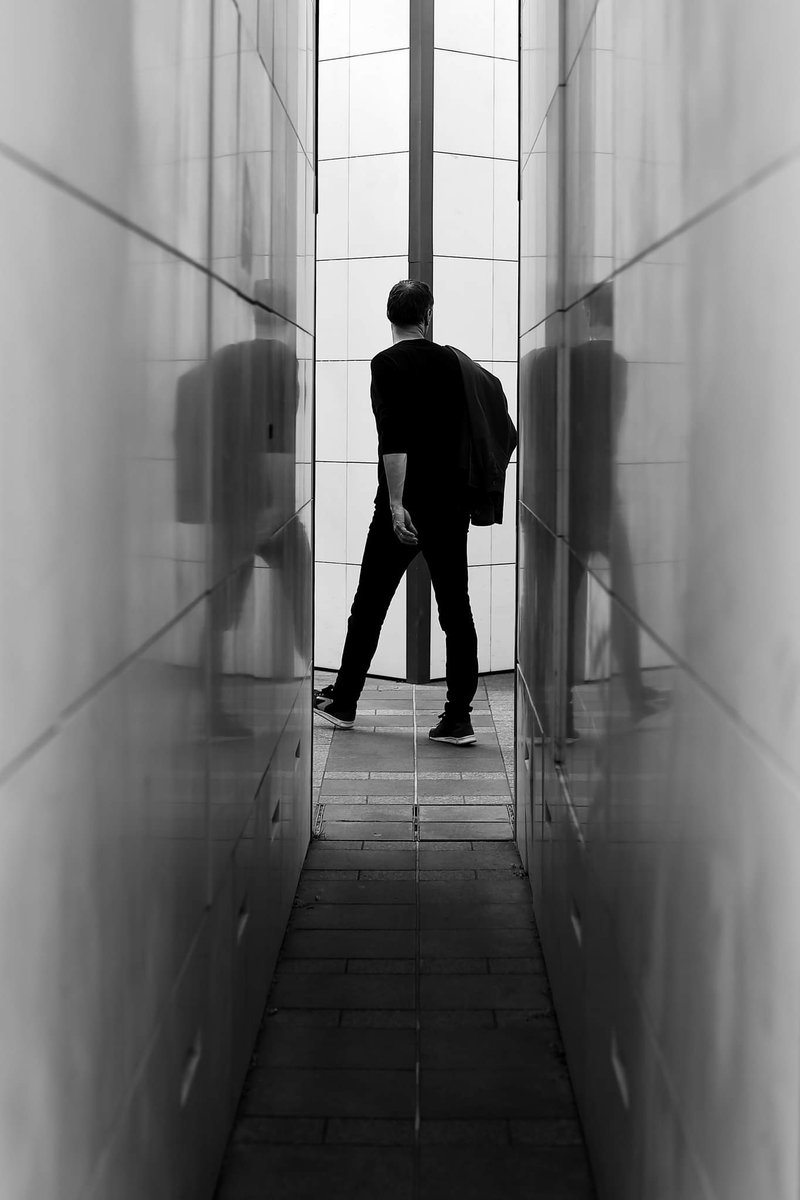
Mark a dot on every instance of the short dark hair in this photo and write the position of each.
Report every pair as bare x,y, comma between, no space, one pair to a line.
409,301
600,305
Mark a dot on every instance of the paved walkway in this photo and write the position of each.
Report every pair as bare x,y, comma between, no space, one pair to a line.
409,1048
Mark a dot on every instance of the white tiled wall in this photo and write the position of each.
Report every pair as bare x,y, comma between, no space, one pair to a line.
475,221
133,843
362,251
363,247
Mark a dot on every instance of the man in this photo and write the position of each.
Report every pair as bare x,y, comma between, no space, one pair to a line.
423,504
254,397
598,387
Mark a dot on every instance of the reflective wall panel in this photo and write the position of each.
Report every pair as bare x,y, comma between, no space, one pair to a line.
658,581
157,252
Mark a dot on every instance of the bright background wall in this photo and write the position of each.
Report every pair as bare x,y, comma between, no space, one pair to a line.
659,150
475,218
363,249
156,160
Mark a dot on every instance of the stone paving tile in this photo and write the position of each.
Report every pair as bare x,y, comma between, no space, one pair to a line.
329,1092
517,966
333,803
357,891
360,1131
346,991
398,1018
465,1133
443,831
546,1131
380,966
353,1048
482,991
476,891
474,917
454,813
375,831
533,1047
316,966
482,855
476,1018
306,1017
370,811
401,875
288,1131
497,1173
481,1093
454,966
377,787
370,848
353,916
435,875
254,1172
467,943
314,875
466,787
332,856
347,943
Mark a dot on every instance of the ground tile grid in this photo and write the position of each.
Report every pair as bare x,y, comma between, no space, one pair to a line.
409,1047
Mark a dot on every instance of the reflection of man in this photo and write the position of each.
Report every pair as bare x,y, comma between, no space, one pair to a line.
597,397
253,405
425,399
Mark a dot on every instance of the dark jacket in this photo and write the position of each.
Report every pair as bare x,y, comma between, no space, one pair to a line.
492,440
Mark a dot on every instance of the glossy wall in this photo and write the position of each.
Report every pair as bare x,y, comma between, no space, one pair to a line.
157,340
658,779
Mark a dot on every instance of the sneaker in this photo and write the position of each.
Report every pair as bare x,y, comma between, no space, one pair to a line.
453,731
330,711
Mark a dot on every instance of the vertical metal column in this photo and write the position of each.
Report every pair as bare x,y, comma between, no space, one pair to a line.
560,588
420,266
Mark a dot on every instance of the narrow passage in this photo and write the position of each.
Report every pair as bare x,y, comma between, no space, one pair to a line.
409,1048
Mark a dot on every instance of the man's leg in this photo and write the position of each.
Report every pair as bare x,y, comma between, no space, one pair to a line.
445,549
383,565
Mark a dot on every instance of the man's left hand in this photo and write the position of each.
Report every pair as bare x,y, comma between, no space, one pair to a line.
403,526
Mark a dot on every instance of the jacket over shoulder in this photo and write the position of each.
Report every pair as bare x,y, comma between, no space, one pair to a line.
492,440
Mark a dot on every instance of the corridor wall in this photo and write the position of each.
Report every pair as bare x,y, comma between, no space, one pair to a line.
658,771
368,236
156,287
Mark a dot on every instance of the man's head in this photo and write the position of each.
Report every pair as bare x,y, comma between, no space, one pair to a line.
599,307
410,303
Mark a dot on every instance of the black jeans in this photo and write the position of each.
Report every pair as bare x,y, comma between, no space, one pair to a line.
443,543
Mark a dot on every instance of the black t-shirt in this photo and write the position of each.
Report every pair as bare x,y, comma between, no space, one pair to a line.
420,410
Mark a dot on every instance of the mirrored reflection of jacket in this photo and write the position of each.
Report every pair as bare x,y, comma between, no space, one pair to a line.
492,440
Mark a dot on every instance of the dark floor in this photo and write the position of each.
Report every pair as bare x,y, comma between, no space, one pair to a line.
409,1047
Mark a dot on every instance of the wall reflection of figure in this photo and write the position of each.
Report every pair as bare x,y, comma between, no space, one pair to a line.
253,425
598,384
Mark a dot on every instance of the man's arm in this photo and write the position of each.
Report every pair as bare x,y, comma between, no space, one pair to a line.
395,466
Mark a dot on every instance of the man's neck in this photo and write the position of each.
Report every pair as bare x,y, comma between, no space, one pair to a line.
407,333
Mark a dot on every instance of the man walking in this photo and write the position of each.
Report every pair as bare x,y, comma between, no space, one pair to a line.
425,472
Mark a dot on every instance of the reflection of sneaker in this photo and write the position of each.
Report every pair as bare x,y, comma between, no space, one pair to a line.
453,731
330,711
651,700
224,727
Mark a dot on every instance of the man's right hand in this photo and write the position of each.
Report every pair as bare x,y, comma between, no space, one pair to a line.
403,526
